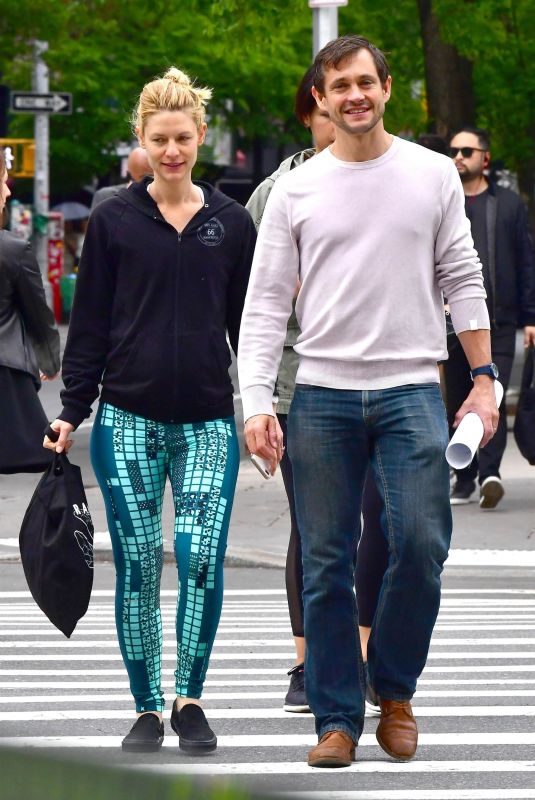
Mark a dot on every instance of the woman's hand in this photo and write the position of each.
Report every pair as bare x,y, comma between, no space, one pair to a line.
64,443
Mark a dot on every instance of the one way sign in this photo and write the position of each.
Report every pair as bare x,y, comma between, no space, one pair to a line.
41,103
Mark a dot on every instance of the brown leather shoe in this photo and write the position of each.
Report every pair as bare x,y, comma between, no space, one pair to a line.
397,732
334,749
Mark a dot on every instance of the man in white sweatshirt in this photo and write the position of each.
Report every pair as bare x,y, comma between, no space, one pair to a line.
374,229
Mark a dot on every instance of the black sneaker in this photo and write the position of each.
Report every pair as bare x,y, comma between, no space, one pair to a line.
462,492
146,735
194,734
296,699
371,699
491,492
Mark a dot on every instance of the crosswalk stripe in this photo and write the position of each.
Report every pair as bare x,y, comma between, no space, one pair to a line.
253,741
482,654
287,656
302,768
91,683
238,643
209,696
413,794
263,713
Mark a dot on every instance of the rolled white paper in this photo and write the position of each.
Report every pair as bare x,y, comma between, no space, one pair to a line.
467,438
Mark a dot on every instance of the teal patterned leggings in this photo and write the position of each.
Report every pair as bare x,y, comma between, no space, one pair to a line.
132,458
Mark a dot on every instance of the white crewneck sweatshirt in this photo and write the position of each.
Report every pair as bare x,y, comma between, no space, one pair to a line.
377,246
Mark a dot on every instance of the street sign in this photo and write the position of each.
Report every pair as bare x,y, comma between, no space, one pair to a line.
41,102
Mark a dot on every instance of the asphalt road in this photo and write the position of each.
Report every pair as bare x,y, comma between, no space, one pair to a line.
475,705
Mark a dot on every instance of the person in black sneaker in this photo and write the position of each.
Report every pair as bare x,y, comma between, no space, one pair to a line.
502,239
322,130
162,282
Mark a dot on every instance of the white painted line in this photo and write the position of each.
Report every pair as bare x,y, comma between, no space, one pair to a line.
127,697
481,668
237,696
163,593
88,673
414,794
51,715
239,644
282,740
93,684
287,656
491,558
489,591
302,768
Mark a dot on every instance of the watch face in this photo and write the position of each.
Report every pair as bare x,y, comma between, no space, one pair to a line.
494,369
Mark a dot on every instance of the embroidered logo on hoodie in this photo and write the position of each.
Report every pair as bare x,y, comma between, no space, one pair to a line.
211,233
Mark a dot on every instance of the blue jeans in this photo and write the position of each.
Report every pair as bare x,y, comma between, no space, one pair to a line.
333,435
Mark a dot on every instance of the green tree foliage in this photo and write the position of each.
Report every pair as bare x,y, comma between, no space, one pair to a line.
254,53
498,36
103,51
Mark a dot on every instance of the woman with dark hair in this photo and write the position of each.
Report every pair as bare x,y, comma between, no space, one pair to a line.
317,121
29,350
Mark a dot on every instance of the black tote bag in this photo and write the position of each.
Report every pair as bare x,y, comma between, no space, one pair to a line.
56,544
524,428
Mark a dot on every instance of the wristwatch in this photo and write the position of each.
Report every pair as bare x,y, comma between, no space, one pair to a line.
489,369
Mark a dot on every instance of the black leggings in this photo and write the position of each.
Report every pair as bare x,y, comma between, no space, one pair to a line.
371,556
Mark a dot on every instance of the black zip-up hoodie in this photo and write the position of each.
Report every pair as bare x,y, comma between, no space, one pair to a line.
152,308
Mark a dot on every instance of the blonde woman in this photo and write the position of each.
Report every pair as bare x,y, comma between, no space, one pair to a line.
162,281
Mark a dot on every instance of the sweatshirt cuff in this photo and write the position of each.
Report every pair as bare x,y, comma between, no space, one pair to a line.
72,416
470,314
257,400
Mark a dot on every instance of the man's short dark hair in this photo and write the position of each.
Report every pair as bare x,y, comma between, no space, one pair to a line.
305,102
433,142
341,48
483,136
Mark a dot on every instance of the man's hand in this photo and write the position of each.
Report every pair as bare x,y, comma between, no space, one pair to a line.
481,400
64,443
264,438
529,335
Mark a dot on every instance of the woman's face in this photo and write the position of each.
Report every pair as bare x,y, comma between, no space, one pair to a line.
4,191
172,139
321,128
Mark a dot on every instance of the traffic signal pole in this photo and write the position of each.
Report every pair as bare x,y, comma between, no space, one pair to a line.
41,189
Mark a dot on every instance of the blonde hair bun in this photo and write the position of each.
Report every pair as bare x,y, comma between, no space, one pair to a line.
176,75
174,91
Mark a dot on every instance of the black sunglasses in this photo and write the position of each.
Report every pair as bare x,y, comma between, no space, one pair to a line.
466,152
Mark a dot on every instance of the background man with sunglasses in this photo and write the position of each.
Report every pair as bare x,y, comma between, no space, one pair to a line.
502,239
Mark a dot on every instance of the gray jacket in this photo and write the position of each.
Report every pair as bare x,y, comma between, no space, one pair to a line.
290,360
29,339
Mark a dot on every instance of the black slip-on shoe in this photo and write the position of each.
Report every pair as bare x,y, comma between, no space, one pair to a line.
296,699
194,733
146,735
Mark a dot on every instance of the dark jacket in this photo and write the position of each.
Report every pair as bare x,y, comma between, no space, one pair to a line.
29,340
152,309
511,259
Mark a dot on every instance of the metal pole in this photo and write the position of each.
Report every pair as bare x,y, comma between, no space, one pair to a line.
324,22
41,182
